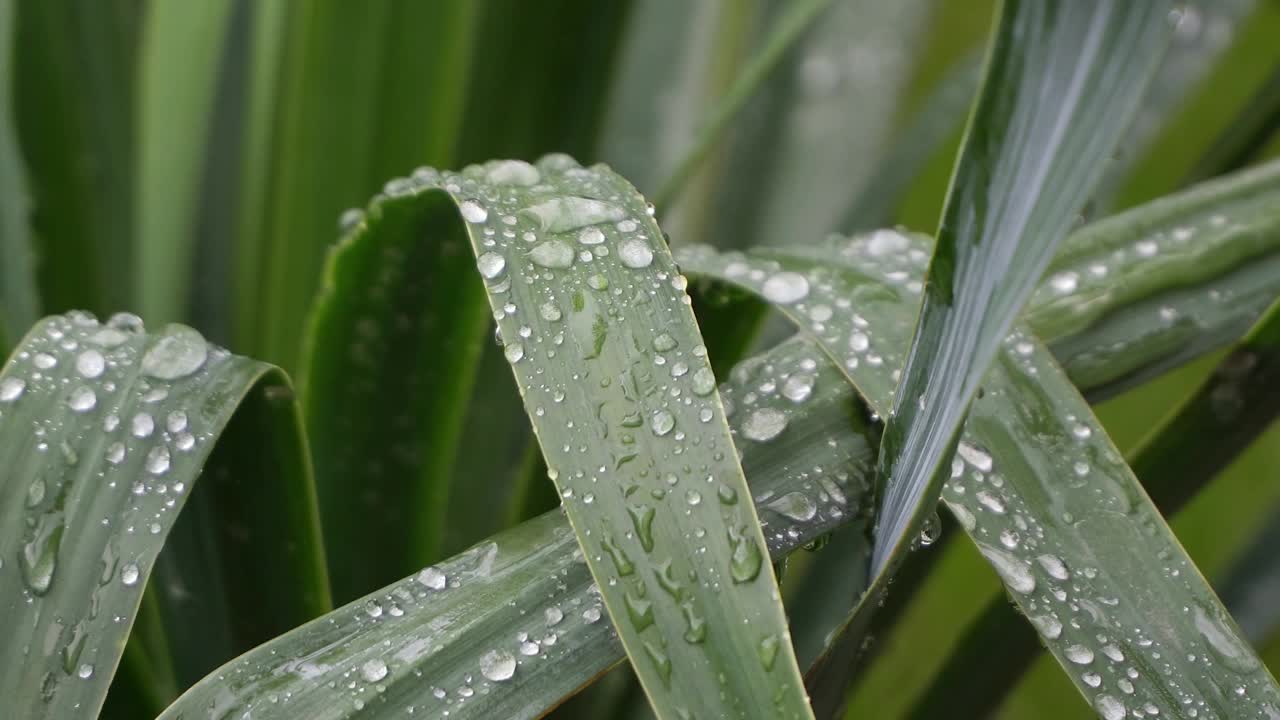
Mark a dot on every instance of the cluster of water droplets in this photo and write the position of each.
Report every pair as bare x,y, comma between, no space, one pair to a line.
91,398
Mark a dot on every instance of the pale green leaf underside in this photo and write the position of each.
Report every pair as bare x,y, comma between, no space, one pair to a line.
1040,490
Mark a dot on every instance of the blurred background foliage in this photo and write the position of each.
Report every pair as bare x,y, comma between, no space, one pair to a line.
191,161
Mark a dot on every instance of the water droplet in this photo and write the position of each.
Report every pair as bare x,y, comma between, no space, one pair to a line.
642,521
513,172
1013,571
373,670
1078,654
746,558
157,462
473,212
90,364
639,611
664,343
1064,282
115,453
176,422
514,352
44,361
858,341
553,615
82,399
1048,625
886,242
129,574
570,213
1054,566
768,651
432,578
549,312
85,671
142,425
693,497
591,615
635,253
39,557
1109,708
661,662
785,288
11,388
179,352
662,422
795,505
931,531
704,381
591,236
491,265
798,388
552,254
975,457
1224,643
764,424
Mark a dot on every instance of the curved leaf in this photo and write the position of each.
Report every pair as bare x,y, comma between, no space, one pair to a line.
422,643
1097,611
19,303
105,431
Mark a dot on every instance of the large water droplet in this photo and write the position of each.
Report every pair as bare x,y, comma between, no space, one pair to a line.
491,265
798,388
513,172
662,422
1109,708
552,254
746,558
1224,643
764,424
704,381
570,213
1078,654
1013,571
90,364
39,557
432,578
795,505
785,288
157,462
179,352
11,388
635,253
768,651
82,399
373,670
129,574
473,212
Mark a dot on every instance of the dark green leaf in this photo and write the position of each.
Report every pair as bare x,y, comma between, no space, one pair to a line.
19,302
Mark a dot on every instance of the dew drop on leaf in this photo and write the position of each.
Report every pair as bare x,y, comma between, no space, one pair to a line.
785,288
554,254
635,253
491,265
373,670
11,388
179,352
764,424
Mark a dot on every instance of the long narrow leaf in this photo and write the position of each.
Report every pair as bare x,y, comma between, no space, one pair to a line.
19,302
1043,535
1035,146
424,643
105,431
450,652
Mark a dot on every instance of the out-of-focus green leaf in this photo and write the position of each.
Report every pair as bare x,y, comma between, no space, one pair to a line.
1026,168
73,89
386,378
1046,537
19,302
422,643
178,64
105,431
940,115
1254,126
1251,588
364,92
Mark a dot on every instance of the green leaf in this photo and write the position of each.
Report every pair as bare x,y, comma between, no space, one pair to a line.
527,592
105,431
606,333
385,398
1021,177
182,49
19,302
363,93
817,427
1163,282
73,84
1047,537
1247,135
